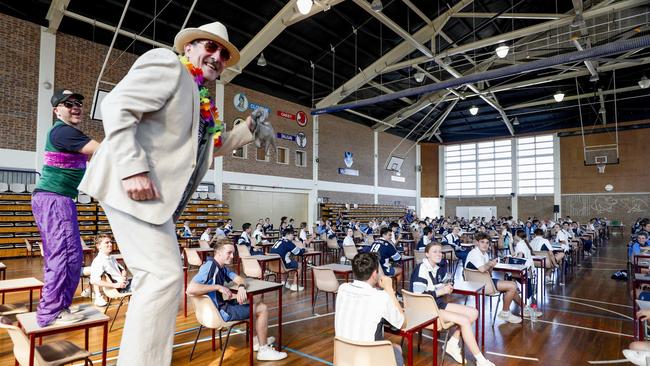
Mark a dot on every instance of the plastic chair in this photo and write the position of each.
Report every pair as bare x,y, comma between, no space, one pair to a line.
85,274
352,353
350,251
84,198
243,251
419,308
50,354
209,317
325,281
280,269
4,187
473,275
31,188
203,195
17,187
333,248
30,248
212,196
204,244
252,268
193,259
114,295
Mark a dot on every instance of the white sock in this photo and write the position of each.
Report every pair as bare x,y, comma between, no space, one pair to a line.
453,341
479,357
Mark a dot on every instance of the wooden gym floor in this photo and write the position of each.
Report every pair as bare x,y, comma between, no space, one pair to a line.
588,319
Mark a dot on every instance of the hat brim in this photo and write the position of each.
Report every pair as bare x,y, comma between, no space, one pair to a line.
188,35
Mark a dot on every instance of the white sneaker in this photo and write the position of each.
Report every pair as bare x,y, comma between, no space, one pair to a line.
85,293
295,287
72,309
256,342
100,302
65,318
636,357
453,350
267,353
343,259
509,317
484,362
528,311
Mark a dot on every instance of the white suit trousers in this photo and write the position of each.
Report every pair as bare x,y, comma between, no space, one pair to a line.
151,254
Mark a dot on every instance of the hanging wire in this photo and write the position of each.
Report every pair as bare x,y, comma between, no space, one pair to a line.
615,114
311,64
333,64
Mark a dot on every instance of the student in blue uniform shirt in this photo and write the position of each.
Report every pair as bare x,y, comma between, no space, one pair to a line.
267,225
426,238
228,228
430,277
635,246
285,248
387,253
245,239
453,239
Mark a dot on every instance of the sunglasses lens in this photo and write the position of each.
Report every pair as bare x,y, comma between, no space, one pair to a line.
225,54
72,103
212,47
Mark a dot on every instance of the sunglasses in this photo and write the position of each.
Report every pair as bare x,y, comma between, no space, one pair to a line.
212,47
73,103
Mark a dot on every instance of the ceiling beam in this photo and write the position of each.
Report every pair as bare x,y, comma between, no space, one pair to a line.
543,16
386,89
288,15
436,126
569,98
55,14
394,55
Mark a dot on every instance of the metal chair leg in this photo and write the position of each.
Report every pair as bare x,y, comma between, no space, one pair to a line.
116,313
107,306
223,351
198,333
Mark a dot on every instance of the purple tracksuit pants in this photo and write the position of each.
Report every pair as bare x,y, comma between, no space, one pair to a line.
56,217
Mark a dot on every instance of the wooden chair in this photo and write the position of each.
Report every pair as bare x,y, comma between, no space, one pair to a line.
485,278
114,295
209,317
422,307
325,281
352,353
50,354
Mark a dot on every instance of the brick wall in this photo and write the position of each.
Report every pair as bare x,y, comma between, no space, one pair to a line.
345,197
19,79
535,206
502,204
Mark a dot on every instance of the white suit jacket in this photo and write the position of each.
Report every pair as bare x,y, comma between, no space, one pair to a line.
151,122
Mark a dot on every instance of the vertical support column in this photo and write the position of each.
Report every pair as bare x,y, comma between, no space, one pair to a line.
418,181
313,193
217,166
514,204
375,139
441,178
557,178
47,58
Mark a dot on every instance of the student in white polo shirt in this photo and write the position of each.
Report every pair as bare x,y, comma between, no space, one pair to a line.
561,238
362,309
478,259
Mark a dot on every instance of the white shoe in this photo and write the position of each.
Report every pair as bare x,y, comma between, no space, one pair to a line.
295,287
484,362
85,293
527,312
100,302
267,353
343,259
636,357
72,309
65,318
509,317
256,342
453,350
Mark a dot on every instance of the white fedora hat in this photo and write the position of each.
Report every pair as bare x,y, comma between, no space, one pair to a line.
213,31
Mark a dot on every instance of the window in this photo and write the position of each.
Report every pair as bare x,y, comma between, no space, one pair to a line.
301,158
261,154
282,154
535,165
240,153
484,168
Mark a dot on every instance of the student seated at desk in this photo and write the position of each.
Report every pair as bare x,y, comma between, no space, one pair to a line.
387,253
426,238
453,239
524,251
285,248
206,235
362,310
259,235
635,247
105,264
211,280
227,229
478,259
349,238
187,231
245,239
304,236
430,277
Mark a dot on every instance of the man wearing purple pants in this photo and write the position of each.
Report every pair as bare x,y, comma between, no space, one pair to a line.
66,152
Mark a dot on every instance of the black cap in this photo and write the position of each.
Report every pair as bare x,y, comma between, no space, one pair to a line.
62,95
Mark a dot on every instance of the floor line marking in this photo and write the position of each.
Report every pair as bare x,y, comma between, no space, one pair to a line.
308,356
513,356
586,328
595,307
596,301
608,362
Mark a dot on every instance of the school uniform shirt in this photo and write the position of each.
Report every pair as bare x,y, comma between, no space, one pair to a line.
187,232
227,229
219,276
219,232
476,258
348,240
521,247
267,227
453,240
386,252
284,248
563,240
540,244
422,243
360,309
258,235
426,279
205,237
105,264
303,235
244,239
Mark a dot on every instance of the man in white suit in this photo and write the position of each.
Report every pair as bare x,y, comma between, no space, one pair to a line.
158,147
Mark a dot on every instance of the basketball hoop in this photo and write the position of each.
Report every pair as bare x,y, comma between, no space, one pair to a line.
601,168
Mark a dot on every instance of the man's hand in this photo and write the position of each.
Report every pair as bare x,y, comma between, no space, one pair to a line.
140,187
386,283
241,295
643,314
225,291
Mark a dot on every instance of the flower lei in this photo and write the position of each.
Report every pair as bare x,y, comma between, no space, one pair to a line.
208,111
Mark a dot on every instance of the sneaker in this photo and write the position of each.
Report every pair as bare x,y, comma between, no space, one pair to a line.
100,302
509,317
65,318
295,287
528,311
256,342
72,309
636,357
343,259
85,293
453,350
267,353
484,362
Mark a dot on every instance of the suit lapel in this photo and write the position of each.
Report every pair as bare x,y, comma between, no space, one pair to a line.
195,118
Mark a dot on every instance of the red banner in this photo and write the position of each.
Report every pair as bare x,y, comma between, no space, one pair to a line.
287,115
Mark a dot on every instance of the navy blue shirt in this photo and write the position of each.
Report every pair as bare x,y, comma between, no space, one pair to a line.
220,276
387,252
284,248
